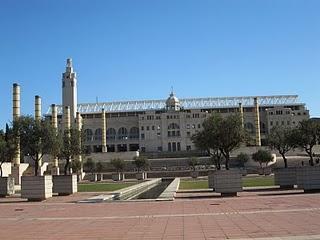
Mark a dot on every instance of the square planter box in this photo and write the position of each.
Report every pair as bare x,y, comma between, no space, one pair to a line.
36,188
308,178
6,186
141,175
228,182
65,184
285,177
211,180
117,176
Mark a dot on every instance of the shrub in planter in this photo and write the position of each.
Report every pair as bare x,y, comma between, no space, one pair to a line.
193,163
262,157
219,137
142,164
119,165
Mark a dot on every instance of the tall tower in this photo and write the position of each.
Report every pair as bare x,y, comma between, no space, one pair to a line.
69,89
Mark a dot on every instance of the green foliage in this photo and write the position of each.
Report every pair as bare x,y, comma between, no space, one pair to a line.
99,167
118,164
90,165
220,136
262,156
306,136
8,146
37,138
193,162
70,146
282,139
141,163
243,158
76,165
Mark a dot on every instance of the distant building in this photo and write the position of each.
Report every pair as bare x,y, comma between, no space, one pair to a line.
167,125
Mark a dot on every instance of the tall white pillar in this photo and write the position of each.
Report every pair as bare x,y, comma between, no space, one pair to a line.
15,116
54,122
104,131
257,122
37,117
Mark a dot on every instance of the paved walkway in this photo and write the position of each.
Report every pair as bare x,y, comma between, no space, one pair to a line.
201,215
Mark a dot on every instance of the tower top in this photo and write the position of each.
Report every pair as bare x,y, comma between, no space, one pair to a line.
69,68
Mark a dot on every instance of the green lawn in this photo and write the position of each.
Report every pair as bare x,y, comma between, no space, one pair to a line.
247,182
102,187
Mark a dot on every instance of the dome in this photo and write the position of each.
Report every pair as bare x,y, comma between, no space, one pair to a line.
173,102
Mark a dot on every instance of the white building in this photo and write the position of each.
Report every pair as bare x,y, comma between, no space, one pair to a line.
167,125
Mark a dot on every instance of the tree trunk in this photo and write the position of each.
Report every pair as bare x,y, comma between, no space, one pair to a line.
227,156
66,167
284,160
309,151
36,166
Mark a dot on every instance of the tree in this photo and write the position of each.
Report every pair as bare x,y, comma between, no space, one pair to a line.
90,165
76,165
243,158
70,147
8,146
282,140
118,164
262,156
99,167
306,136
193,162
220,136
141,163
37,138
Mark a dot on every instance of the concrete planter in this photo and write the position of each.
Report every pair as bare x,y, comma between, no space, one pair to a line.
194,174
99,177
141,176
211,180
6,186
308,178
117,176
228,182
285,177
36,188
65,184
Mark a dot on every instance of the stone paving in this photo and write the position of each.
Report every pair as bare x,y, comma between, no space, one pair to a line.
193,215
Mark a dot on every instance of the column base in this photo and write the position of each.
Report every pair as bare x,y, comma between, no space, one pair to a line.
17,171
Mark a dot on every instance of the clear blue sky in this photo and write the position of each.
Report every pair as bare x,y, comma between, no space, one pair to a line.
134,49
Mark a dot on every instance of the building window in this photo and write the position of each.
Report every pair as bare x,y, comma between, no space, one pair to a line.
111,134
271,123
174,147
122,133
158,134
169,147
88,134
179,146
188,148
147,128
142,135
142,128
188,134
143,149
98,134
153,128
188,126
134,133
159,149
199,125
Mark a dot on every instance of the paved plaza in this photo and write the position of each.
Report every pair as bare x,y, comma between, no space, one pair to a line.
193,215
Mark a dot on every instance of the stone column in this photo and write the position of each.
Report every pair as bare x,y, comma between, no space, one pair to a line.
15,116
241,114
79,128
257,122
37,117
104,132
54,121
16,170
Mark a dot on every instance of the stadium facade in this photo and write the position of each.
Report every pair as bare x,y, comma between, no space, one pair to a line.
167,125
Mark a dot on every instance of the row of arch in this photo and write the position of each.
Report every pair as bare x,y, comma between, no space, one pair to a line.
112,134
